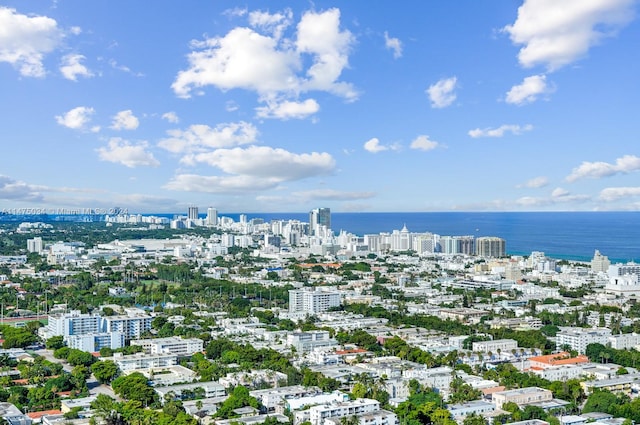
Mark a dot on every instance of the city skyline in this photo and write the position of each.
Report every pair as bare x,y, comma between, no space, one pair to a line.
473,106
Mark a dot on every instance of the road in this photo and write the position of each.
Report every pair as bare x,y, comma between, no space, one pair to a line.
94,386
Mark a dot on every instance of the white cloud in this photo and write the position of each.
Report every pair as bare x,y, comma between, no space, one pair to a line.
535,183
616,193
76,118
218,184
393,44
252,169
72,68
125,120
267,162
124,68
332,195
319,34
442,93
131,155
201,137
171,117
25,40
557,196
273,23
556,33
15,190
529,90
373,145
288,109
500,131
269,64
424,143
623,165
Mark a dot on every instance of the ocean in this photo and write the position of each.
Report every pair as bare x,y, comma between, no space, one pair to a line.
562,235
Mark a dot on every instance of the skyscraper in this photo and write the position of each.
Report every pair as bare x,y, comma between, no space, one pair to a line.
193,213
490,246
319,217
212,216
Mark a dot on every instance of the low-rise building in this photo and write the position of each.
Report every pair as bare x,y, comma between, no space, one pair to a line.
171,345
521,396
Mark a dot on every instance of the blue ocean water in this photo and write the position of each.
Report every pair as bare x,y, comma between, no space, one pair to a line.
564,235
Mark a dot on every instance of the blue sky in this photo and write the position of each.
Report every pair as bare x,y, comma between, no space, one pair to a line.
470,105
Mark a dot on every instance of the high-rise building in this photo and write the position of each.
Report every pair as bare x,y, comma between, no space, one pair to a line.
192,213
312,302
35,245
212,216
490,246
319,217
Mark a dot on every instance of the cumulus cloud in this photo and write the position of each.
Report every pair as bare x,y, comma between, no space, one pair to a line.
555,33
272,23
171,117
442,93
624,165
218,184
25,40
131,155
125,120
273,66
72,68
535,183
252,169
268,162
423,143
76,118
288,109
393,44
374,146
16,190
201,137
616,193
500,131
529,90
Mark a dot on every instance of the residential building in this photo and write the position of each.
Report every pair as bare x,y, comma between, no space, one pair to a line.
93,342
521,396
478,407
171,345
132,325
600,263
142,361
503,345
313,302
490,246
304,342
319,217
578,338
190,391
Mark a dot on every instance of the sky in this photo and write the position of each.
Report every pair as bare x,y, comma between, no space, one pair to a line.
255,106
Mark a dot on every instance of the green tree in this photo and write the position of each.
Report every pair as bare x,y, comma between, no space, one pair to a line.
55,342
104,371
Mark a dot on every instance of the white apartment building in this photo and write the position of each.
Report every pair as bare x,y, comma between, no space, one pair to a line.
142,361
72,323
521,396
579,338
304,342
171,345
93,342
132,326
178,392
317,415
313,302
624,341
435,377
504,345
